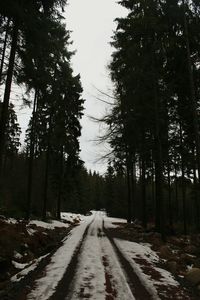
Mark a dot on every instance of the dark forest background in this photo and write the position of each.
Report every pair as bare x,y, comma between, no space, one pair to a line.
153,123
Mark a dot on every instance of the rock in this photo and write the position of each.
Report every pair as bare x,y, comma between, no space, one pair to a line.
193,276
191,249
172,266
176,241
76,221
157,243
165,252
187,259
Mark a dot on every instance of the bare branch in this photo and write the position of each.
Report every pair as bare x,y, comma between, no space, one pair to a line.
104,93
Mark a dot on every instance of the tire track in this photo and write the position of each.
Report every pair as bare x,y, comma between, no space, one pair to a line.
116,285
136,287
63,287
88,282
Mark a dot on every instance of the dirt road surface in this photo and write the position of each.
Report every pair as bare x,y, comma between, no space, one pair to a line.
92,264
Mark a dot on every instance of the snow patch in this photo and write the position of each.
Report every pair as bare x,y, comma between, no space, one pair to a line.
19,276
18,265
17,255
30,231
113,222
10,221
133,251
52,225
45,286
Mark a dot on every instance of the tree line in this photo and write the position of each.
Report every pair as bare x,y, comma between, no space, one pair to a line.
153,124
35,55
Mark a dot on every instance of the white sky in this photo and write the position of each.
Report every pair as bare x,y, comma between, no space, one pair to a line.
92,24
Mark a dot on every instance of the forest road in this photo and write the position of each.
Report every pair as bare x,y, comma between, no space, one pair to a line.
88,265
98,270
91,264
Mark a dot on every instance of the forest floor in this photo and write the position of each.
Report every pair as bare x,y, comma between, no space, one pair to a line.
101,258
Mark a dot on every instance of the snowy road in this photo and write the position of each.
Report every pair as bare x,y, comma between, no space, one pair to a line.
92,265
85,267
99,274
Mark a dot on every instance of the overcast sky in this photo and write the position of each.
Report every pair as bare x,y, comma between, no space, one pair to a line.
92,24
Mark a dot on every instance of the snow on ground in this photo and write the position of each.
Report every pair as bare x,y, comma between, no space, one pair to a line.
41,226
18,265
17,255
112,222
10,221
133,251
30,231
144,262
89,278
65,216
45,286
26,270
97,264
52,225
69,218
136,250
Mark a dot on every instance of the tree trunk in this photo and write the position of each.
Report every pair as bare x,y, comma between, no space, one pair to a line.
4,49
176,195
143,177
192,92
196,200
133,188
46,179
60,185
128,178
169,196
31,159
5,106
152,183
183,184
158,155
46,184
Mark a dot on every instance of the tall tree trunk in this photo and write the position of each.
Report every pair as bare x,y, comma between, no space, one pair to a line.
196,200
183,184
128,178
169,196
46,184
4,49
60,185
46,179
133,188
158,154
152,182
176,193
192,92
31,159
5,106
143,178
